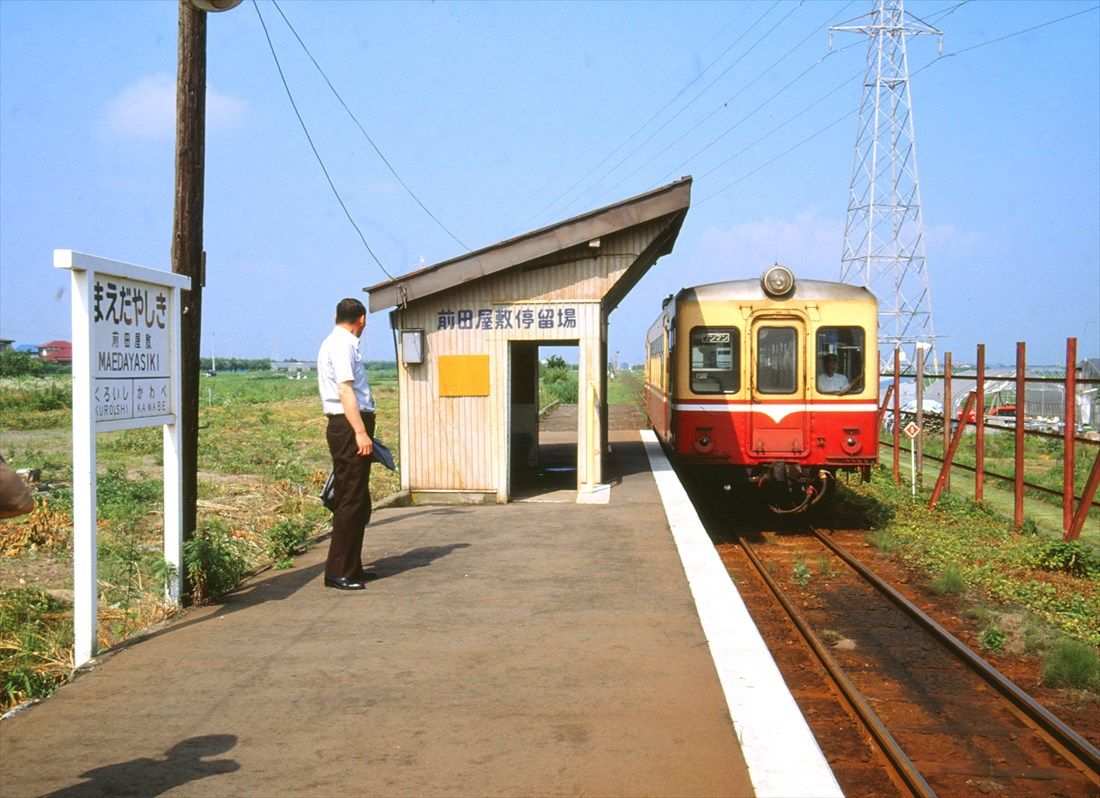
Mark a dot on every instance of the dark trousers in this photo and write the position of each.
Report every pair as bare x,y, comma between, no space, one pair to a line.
352,488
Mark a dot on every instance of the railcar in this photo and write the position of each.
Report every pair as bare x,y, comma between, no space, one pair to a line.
769,384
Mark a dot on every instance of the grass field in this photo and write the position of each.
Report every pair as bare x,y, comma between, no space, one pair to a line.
262,461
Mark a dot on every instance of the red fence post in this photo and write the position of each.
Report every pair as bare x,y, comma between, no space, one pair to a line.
979,432
1021,401
897,416
1078,524
949,455
948,412
1070,420
885,404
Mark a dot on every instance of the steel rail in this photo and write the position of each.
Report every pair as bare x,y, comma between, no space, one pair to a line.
903,770
1075,748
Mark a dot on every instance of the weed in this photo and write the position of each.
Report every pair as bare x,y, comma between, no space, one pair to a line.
831,636
992,638
801,574
882,539
950,582
1068,557
1072,664
36,634
825,567
214,561
287,538
1029,527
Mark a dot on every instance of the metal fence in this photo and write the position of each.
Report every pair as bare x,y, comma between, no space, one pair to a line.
984,406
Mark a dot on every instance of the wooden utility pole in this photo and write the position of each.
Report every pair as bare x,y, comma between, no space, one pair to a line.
187,253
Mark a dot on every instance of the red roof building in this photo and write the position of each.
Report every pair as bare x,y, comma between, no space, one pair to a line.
56,352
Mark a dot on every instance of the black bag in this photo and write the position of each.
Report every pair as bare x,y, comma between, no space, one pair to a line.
328,493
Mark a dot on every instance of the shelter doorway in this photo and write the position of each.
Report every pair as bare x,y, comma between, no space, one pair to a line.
543,421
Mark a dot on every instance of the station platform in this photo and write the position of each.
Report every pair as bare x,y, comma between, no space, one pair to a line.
533,648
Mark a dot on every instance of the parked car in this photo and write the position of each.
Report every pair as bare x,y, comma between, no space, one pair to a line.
997,411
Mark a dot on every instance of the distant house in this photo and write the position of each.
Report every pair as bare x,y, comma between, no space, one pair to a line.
295,369
5,343
56,351
28,349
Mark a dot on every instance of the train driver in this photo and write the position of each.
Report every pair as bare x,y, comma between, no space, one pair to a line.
831,380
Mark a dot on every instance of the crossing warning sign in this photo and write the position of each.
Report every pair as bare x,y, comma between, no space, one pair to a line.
911,429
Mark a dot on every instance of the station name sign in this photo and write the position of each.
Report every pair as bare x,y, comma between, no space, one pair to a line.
507,317
130,349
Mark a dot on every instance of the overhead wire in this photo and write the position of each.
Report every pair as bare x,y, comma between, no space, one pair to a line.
782,125
683,108
1003,38
362,130
730,99
623,117
629,138
309,138
835,122
783,154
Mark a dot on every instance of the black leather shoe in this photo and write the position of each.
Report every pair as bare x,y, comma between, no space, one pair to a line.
342,583
366,576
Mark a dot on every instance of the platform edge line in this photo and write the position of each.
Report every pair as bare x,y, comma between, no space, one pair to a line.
782,755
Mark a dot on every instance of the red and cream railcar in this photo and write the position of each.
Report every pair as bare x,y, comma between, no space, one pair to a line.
770,382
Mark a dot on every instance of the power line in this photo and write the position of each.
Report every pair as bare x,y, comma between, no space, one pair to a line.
782,125
691,61
1002,38
312,146
363,130
683,108
785,152
854,111
611,154
730,99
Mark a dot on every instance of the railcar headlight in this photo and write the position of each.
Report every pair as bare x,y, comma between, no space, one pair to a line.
777,281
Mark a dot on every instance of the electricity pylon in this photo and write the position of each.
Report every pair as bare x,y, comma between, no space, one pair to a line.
884,234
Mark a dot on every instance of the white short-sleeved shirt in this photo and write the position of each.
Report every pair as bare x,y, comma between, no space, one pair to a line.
338,360
827,384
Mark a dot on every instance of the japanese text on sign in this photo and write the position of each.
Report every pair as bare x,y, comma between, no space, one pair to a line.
130,346
507,318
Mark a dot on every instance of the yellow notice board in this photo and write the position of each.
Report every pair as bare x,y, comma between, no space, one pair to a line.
463,375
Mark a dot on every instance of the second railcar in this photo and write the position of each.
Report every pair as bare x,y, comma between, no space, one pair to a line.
768,382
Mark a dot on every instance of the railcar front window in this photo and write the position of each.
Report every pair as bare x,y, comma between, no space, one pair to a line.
777,360
715,360
839,353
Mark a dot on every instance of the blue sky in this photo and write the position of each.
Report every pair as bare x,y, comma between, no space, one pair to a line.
490,112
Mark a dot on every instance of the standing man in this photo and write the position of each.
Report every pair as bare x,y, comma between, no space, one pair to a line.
349,406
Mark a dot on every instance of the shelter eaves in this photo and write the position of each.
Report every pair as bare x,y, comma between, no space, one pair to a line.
587,229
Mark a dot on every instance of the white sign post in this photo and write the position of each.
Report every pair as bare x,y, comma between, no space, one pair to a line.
912,430
126,375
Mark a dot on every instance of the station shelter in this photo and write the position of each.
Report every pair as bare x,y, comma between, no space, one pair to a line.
468,332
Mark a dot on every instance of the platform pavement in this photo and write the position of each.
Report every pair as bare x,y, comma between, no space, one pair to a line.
521,649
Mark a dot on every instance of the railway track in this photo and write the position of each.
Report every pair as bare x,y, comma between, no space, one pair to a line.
939,718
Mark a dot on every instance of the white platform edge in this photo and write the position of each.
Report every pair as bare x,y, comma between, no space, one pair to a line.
783,758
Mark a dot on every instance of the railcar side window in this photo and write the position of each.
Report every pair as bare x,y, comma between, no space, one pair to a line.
715,360
777,360
840,358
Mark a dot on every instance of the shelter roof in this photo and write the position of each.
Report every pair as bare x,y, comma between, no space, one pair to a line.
671,200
